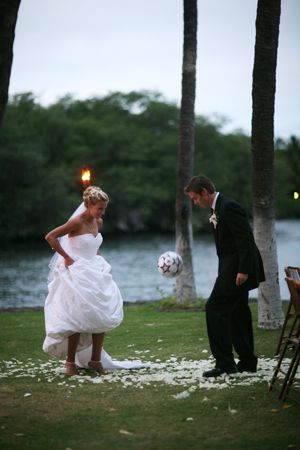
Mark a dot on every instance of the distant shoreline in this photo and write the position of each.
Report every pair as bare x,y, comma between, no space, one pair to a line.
126,303
41,308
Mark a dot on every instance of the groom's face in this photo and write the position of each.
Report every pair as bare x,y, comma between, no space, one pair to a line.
202,199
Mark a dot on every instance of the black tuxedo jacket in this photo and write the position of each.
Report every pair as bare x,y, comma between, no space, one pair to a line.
235,247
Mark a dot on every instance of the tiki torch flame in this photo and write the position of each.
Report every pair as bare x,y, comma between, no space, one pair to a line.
85,176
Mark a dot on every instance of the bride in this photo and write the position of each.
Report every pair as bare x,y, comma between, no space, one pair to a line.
83,301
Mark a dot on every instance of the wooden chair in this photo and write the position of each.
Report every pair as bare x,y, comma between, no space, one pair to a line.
292,340
290,316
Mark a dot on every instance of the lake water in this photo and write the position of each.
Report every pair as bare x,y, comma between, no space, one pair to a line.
24,268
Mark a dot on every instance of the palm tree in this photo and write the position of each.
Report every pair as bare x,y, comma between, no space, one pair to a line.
185,283
270,314
8,19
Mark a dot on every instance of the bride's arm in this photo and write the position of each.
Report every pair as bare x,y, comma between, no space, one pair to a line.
52,238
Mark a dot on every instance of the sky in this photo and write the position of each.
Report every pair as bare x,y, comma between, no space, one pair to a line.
91,48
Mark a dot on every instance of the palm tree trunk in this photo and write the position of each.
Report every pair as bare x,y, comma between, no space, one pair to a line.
185,282
270,314
8,19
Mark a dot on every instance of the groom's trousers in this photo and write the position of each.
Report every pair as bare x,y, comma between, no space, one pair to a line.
229,326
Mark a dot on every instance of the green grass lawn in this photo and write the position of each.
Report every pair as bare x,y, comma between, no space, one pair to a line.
42,409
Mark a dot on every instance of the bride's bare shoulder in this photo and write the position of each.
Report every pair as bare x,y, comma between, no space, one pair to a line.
75,224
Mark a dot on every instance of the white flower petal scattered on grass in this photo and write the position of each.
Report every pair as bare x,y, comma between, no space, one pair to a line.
181,395
183,373
126,433
232,411
28,394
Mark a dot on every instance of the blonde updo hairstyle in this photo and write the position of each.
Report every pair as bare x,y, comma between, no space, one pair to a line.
94,194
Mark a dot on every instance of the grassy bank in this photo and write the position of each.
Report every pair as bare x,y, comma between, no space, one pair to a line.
165,406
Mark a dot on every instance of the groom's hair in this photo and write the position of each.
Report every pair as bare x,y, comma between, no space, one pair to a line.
198,183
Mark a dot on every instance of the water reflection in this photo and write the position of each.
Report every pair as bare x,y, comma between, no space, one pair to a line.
24,269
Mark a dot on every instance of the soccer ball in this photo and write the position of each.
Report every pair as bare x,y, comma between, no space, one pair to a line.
169,264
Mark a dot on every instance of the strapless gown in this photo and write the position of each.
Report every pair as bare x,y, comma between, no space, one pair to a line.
82,298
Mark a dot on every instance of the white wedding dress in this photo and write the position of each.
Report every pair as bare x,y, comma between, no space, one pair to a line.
85,299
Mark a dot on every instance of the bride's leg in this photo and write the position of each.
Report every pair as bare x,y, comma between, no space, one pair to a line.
72,347
95,362
97,346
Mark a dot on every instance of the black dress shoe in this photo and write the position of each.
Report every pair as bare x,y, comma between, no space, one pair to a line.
216,372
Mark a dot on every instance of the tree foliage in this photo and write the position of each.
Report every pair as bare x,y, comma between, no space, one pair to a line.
130,142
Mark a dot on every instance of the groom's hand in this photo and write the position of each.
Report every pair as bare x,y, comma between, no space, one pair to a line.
241,278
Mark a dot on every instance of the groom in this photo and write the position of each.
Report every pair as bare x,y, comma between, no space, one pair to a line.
228,316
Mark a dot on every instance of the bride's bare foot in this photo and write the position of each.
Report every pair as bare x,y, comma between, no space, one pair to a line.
70,369
97,366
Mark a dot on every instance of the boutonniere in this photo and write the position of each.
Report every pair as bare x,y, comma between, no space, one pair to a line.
213,220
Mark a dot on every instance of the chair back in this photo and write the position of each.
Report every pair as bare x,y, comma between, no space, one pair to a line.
294,288
292,272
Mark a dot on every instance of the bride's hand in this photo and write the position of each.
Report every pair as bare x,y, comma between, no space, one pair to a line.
68,261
